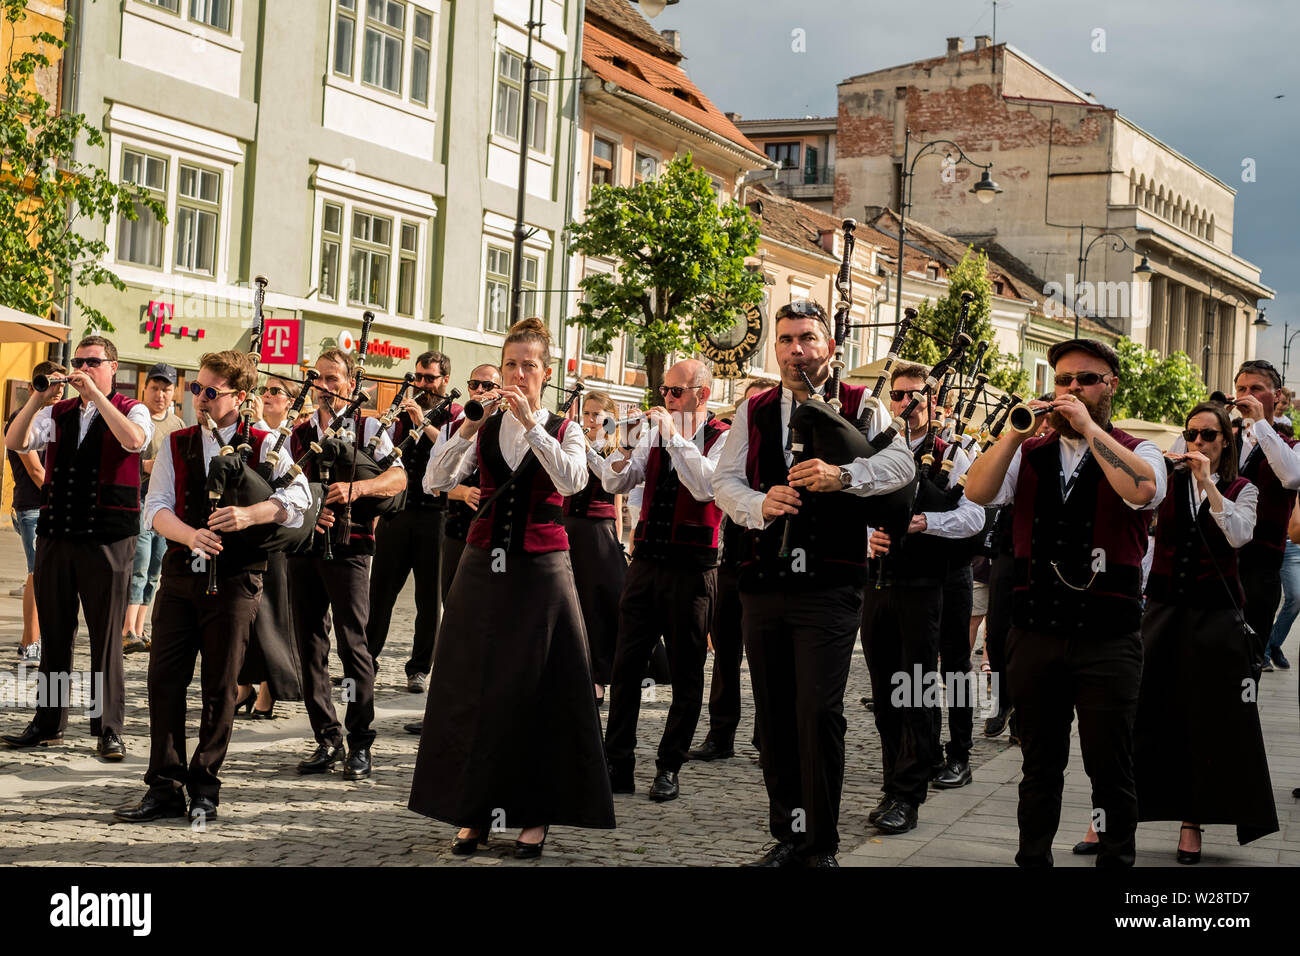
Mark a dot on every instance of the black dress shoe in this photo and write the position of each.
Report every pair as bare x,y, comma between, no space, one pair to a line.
322,760
885,803
465,846
415,727
154,806
822,859
1084,848
203,808
937,769
620,778
111,747
1188,856
664,786
31,737
530,851
899,818
994,726
955,774
358,764
778,854
711,751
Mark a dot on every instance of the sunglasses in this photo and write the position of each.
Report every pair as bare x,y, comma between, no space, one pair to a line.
1209,434
898,394
88,362
476,385
421,377
801,307
1085,378
210,393
677,390
275,390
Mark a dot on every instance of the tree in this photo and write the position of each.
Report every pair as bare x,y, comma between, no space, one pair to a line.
45,194
1156,389
680,272
940,318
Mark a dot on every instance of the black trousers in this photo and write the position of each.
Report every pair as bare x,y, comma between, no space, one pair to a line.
954,669
728,650
99,574
1262,584
319,588
1052,677
660,600
997,624
187,622
900,638
800,646
410,542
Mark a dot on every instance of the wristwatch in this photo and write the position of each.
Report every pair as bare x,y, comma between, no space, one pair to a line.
846,478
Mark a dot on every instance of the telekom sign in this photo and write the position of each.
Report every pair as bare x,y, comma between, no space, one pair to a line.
281,342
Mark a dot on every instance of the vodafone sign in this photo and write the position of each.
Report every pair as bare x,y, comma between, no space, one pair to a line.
348,343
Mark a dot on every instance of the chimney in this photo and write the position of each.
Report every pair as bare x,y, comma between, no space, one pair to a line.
982,41
955,45
674,38
734,117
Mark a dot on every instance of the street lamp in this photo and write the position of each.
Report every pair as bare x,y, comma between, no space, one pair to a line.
1286,348
984,191
1143,272
652,8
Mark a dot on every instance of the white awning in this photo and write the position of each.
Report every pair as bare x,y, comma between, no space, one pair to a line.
18,326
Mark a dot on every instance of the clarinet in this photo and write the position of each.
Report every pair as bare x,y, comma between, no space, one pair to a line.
904,325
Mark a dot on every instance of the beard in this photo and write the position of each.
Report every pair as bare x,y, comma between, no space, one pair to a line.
1099,413
426,398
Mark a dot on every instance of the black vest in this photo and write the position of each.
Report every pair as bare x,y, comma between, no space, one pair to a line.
924,559
76,501
515,507
415,462
360,539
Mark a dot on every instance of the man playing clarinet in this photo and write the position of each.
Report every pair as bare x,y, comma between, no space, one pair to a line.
801,611
187,619
1082,494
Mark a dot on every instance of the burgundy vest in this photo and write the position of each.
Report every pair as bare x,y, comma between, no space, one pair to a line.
531,501
1049,531
92,489
1182,570
1264,550
361,532
190,486
831,528
592,501
673,525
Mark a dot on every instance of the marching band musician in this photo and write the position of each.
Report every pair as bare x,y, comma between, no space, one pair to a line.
338,588
672,582
1084,493
188,621
85,535
799,628
410,541
901,627
511,734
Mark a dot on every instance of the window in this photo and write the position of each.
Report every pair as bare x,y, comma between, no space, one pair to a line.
497,297
381,64
852,349
647,167
787,154
632,354
215,13
510,85
587,354
140,240
406,269
602,162
173,5
345,36
368,263
539,100
197,206
421,54
331,242
528,287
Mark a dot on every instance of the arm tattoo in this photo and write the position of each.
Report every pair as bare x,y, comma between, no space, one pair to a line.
1107,454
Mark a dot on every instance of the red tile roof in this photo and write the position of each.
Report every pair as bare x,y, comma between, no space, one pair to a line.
627,22
657,80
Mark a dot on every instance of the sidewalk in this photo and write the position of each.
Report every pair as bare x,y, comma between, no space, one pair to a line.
56,806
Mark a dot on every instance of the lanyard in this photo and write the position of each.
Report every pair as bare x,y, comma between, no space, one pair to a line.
1068,486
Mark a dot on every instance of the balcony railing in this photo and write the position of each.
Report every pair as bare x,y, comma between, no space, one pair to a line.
798,176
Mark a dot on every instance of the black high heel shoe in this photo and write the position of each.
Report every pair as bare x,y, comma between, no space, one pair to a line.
247,703
530,851
264,714
1189,856
464,846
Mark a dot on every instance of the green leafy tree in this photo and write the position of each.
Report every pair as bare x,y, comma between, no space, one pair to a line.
45,194
1156,389
680,265
969,275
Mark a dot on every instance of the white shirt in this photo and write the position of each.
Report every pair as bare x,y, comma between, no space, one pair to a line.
42,430
694,468
1283,459
294,497
888,470
1237,519
1072,451
454,459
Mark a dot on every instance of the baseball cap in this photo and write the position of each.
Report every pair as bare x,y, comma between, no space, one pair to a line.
164,371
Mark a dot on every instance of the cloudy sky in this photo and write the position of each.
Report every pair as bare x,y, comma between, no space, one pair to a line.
1201,75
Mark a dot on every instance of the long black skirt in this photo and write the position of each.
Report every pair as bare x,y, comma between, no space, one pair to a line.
599,570
511,735
1198,748
272,654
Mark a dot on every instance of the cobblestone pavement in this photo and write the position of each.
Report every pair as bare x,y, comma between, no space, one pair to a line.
56,805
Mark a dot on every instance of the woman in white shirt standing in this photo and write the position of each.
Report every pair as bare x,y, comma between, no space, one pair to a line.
511,735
